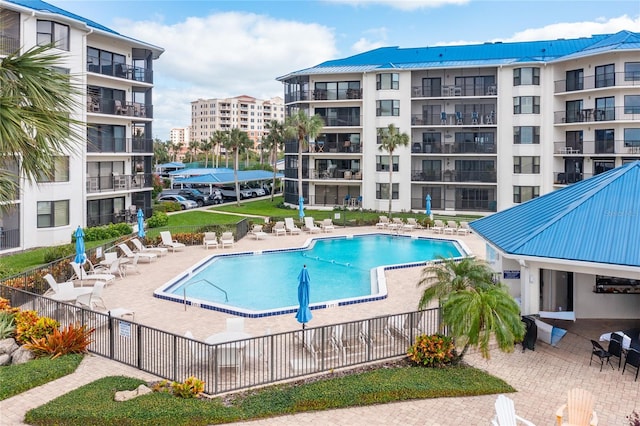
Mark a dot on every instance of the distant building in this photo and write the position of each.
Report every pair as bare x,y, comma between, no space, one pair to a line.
180,135
242,112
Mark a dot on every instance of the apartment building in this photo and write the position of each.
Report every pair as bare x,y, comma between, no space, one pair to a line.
108,176
242,112
491,125
180,135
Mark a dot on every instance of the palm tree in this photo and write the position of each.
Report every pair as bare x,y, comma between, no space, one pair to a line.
193,149
238,142
177,150
391,139
301,126
473,306
274,142
36,102
218,139
206,146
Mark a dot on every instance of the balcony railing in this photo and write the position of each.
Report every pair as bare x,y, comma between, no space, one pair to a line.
8,44
323,95
117,182
9,238
620,113
427,147
340,121
456,202
480,118
618,79
97,105
449,91
120,145
426,175
334,174
564,178
123,71
420,175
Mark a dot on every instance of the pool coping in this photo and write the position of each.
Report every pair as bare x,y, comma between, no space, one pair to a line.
377,279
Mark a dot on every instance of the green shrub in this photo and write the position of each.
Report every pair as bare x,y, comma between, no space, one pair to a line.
7,271
30,326
158,220
7,325
58,252
106,232
190,388
436,350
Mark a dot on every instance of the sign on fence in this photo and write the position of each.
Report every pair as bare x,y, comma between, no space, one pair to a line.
124,329
511,275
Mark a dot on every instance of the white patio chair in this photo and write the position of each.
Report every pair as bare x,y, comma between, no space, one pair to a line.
168,242
311,227
128,253
160,251
327,225
257,232
226,239
210,239
290,226
279,228
506,413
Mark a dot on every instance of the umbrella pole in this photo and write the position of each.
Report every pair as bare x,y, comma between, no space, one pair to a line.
303,324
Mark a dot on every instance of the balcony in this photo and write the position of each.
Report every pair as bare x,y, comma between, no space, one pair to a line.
427,147
96,105
486,117
8,44
125,71
340,121
453,91
427,175
118,182
564,178
618,79
120,145
332,174
620,113
324,95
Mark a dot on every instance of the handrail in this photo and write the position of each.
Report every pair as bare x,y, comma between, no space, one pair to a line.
184,290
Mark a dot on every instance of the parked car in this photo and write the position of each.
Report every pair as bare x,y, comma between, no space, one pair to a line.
229,193
254,191
196,195
184,203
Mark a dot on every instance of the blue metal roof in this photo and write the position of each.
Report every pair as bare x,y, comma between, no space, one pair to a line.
226,177
487,54
46,7
595,220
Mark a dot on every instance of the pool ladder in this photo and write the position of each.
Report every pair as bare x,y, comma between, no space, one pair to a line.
184,291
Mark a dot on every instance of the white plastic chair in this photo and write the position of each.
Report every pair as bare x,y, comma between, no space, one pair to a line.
506,413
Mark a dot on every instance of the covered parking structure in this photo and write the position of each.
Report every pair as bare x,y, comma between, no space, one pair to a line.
203,178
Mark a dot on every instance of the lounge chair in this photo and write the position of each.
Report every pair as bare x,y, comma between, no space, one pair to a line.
396,224
168,242
257,232
383,222
160,251
95,275
464,229
438,226
290,226
226,239
405,325
411,224
327,225
309,226
279,228
129,254
210,239
451,228
55,287
132,265
579,408
506,413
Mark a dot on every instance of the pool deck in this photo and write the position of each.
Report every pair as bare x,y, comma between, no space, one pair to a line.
541,377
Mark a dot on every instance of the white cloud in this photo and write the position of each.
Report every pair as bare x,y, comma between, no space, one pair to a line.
404,5
577,29
224,55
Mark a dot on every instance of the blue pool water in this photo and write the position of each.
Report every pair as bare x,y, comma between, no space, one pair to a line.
342,271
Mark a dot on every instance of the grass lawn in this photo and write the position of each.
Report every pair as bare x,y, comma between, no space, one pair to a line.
93,404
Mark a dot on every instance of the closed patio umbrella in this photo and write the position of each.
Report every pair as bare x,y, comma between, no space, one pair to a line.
428,205
304,313
301,208
141,223
81,257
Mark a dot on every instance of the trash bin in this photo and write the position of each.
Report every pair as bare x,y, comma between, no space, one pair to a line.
530,335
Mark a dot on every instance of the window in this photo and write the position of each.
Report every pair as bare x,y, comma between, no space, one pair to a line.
525,193
575,80
605,75
528,165
527,76
53,213
632,71
382,191
602,165
632,104
605,109
388,108
526,135
382,163
59,173
388,81
384,130
632,137
49,32
526,105
605,141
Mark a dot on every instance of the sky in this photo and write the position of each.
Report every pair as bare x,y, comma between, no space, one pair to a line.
220,49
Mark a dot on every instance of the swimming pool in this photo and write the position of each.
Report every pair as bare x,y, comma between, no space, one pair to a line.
343,270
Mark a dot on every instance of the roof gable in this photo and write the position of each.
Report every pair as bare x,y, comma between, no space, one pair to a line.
596,220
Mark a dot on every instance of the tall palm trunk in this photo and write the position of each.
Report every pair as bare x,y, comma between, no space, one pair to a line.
390,180
235,175
300,146
275,169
